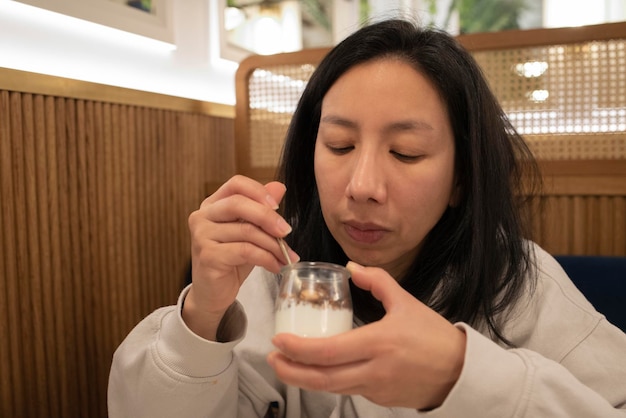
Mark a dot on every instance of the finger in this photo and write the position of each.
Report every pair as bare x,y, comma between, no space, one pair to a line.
241,253
248,187
276,190
382,286
238,208
345,379
352,346
239,232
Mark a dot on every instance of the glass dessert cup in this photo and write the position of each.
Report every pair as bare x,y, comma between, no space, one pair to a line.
314,300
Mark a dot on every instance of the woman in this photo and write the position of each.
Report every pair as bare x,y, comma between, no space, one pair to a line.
398,158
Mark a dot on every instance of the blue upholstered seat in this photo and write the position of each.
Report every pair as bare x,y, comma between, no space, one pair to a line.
603,281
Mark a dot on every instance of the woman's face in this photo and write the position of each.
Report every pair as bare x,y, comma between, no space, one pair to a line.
384,162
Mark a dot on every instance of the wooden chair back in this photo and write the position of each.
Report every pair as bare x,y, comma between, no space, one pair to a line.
571,111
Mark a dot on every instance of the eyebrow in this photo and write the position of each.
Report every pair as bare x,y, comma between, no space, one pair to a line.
337,120
402,125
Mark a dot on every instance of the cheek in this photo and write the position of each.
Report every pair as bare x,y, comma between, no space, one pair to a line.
440,184
318,171
321,180
327,190
427,199
327,176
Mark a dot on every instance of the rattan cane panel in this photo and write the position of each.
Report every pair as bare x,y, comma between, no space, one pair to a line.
574,106
274,93
582,117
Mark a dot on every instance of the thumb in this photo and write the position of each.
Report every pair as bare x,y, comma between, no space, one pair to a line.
379,283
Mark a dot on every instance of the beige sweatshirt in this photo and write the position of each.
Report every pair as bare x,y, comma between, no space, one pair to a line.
570,362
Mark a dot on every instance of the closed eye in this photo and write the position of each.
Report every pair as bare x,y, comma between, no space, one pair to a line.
404,157
340,150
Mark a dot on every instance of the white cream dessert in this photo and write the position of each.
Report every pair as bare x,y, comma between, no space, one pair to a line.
312,313
312,320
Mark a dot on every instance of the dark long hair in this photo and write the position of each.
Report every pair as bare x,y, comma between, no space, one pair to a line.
475,262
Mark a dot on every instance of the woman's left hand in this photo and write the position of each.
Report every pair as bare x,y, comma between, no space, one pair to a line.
411,358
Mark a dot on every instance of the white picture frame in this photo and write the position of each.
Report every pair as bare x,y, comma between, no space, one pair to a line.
155,25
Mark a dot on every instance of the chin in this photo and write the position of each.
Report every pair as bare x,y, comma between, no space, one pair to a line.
367,258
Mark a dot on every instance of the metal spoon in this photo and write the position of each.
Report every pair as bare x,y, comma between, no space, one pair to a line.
283,248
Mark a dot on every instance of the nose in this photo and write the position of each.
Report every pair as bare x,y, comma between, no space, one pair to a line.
367,181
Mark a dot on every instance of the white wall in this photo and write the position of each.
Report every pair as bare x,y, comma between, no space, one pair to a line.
581,12
41,41
37,40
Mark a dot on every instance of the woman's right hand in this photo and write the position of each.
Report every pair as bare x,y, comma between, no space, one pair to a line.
234,230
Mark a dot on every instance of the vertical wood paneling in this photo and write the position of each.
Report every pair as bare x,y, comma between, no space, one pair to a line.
58,371
605,239
8,298
619,223
94,199
81,282
33,159
21,334
579,225
45,264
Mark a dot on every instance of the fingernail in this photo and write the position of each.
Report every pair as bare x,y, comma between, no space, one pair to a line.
283,226
277,344
352,266
293,256
272,202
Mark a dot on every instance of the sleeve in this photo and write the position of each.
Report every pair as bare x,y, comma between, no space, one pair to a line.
496,382
162,369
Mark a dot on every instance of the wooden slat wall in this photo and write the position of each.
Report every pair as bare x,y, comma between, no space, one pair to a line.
583,225
582,210
94,199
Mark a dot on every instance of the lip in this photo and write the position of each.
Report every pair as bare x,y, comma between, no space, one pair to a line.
365,233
